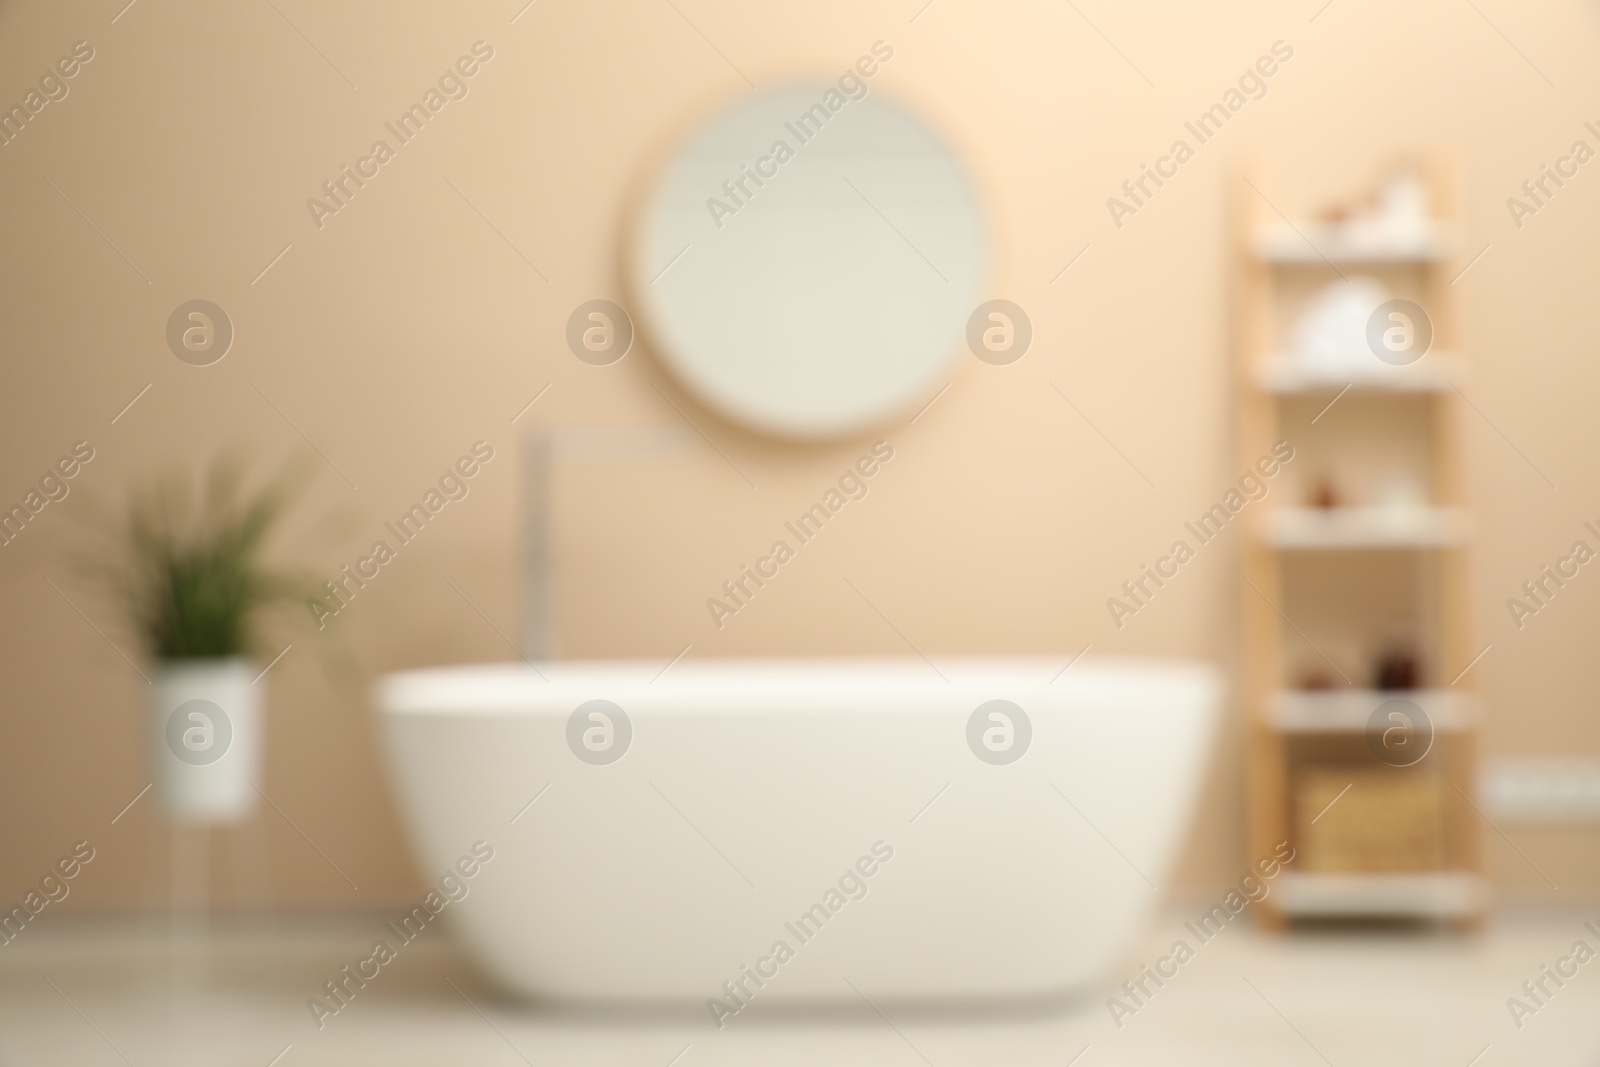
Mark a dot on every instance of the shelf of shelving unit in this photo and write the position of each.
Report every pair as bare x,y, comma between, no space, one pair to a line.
1277,241
1347,711
1283,374
1425,894
1373,527
1291,731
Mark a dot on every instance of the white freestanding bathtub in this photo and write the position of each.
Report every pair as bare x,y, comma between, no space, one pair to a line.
836,808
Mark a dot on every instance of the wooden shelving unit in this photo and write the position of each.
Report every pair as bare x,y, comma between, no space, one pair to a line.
1317,575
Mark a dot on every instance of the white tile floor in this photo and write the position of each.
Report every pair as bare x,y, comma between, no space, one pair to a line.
99,992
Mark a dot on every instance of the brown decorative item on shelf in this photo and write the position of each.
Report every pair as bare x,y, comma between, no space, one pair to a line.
1335,214
1397,667
1350,819
1316,679
1324,496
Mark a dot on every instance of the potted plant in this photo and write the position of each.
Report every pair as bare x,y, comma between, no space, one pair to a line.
193,584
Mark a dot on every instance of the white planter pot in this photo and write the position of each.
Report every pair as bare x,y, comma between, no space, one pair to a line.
206,739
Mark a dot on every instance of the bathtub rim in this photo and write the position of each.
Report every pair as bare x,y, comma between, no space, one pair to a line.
798,683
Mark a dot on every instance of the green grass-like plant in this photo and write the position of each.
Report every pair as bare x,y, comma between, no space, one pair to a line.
192,581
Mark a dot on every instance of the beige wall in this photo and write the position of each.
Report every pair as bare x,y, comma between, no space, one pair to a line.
406,329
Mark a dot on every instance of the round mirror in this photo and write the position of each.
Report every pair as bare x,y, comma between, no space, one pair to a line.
805,264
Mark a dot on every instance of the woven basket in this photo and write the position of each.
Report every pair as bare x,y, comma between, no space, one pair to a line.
1388,820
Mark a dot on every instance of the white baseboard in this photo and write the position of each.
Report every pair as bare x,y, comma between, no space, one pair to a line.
1563,791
